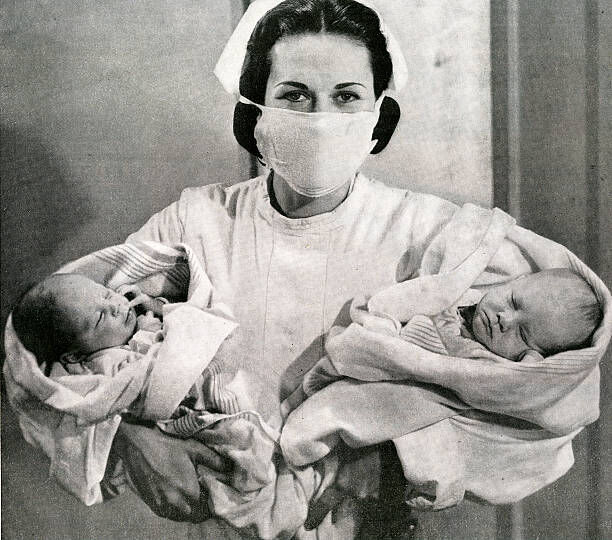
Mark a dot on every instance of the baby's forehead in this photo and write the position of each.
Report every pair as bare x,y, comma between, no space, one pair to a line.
543,283
550,289
71,288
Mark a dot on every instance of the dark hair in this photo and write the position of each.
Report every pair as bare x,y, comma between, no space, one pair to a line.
582,306
295,17
40,326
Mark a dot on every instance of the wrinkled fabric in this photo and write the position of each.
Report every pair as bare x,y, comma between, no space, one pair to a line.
488,454
289,280
74,418
242,437
261,496
461,253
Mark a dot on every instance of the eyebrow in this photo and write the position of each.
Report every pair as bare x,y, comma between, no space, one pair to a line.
344,85
292,83
302,86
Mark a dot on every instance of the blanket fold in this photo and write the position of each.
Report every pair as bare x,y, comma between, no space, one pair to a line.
485,415
73,418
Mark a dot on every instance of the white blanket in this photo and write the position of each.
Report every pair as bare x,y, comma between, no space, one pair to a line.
504,429
73,418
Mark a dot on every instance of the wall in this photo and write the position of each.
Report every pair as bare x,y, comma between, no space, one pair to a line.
566,171
601,180
109,109
443,142
551,109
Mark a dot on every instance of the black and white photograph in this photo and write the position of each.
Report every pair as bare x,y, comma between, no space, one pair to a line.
306,269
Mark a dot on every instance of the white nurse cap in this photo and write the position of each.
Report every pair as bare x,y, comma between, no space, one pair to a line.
229,66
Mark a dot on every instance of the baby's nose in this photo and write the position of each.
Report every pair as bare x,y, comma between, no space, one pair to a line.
116,303
506,321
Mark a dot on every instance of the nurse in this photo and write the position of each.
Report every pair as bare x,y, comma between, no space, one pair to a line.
289,250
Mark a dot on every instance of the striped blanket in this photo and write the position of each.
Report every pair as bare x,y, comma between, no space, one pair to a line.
73,418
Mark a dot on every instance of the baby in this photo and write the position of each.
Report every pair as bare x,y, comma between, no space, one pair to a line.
547,312
470,351
71,320
533,316
67,317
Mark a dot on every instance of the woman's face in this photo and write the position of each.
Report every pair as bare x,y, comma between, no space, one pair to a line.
320,73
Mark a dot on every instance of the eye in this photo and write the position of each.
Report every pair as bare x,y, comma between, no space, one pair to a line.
347,97
100,318
295,96
522,334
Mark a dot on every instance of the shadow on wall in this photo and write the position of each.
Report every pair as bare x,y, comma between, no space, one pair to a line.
41,209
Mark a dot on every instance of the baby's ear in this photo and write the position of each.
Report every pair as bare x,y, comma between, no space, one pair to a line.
530,356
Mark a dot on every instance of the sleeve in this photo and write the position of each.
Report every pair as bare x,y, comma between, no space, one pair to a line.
427,221
165,227
510,260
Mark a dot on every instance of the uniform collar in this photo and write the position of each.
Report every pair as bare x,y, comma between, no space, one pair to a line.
327,221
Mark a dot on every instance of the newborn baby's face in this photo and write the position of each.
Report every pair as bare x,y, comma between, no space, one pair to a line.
527,313
98,316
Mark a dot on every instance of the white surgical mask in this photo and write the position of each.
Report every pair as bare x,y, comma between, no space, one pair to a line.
315,153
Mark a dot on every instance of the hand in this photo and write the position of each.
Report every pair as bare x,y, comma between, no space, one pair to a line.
162,469
373,320
322,374
148,322
129,290
358,477
295,399
139,299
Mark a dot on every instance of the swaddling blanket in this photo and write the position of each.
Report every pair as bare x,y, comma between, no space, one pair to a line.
467,439
73,418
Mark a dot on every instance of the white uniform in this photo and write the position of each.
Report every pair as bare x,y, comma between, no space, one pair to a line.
288,280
